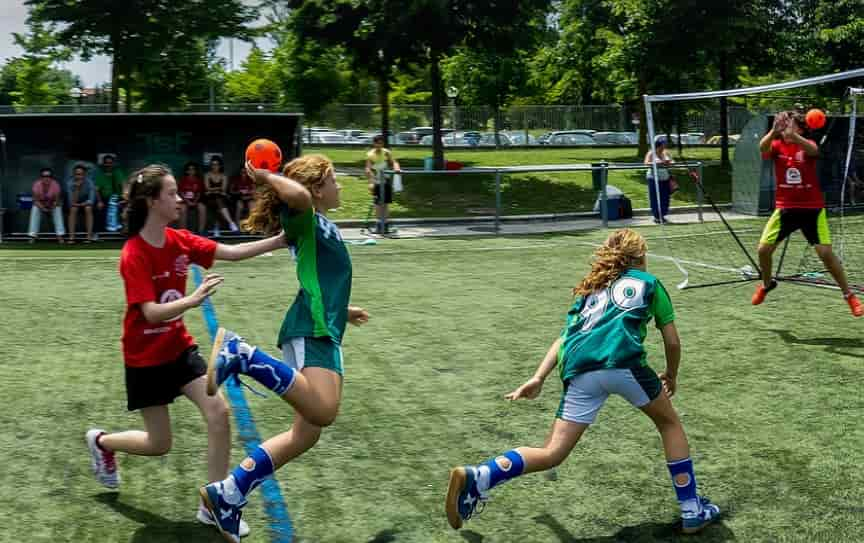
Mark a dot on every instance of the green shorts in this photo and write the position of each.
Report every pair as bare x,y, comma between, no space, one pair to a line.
313,352
813,223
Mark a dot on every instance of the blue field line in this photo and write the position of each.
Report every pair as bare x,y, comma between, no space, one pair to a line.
274,505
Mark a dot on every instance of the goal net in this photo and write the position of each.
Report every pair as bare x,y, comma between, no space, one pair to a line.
722,249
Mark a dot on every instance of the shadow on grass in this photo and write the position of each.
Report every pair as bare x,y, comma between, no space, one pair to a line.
833,345
647,532
158,529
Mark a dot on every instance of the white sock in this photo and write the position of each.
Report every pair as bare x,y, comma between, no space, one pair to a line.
691,507
230,491
483,475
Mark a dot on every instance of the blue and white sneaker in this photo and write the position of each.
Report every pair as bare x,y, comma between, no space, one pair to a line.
695,522
464,499
230,356
225,516
205,517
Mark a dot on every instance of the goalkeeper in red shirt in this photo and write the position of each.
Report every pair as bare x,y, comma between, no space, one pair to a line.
799,204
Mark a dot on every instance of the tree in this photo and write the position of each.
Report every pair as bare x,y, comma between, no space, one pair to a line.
256,81
147,30
440,26
31,79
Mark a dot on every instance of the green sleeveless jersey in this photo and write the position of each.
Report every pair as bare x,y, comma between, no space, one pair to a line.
607,328
324,272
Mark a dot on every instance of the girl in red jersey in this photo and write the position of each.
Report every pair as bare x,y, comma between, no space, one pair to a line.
799,204
161,358
191,188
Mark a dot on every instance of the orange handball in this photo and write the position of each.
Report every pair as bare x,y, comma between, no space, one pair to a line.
815,119
264,155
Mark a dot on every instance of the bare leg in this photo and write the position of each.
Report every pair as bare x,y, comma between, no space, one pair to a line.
88,221
202,217
561,440
835,267
287,446
215,414
73,219
666,420
316,394
155,440
766,251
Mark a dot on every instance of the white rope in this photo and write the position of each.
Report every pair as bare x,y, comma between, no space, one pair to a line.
851,74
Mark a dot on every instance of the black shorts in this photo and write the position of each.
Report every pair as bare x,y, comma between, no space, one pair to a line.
813,223
388,193
159,385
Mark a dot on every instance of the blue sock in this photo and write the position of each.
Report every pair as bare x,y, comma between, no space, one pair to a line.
250,473
270,372
499,469
687,497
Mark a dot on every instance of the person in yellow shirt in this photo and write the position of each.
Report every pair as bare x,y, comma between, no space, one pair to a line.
378,159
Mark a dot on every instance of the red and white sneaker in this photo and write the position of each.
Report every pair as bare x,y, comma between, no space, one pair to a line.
762,291
102,461
854,304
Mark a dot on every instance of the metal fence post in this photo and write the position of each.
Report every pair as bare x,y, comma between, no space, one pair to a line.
699,195
497,201
604,209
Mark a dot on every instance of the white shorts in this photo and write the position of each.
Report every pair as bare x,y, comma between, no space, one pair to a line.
585,394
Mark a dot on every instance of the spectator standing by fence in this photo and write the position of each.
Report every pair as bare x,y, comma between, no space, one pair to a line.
46,199
661,156
379,159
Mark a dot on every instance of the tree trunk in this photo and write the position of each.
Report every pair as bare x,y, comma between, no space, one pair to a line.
384,102
724,112
437,121
643,115
115,77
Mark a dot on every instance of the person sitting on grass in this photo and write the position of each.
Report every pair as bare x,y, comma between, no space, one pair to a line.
798,202
600,352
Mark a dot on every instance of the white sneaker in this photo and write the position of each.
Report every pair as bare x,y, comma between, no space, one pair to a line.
101,461
204,517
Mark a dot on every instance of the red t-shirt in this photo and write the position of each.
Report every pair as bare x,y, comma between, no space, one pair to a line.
795,171
242,186
190,187
158,274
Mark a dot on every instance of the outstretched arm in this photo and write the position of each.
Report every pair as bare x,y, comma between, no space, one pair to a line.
242,251
531,388
156,312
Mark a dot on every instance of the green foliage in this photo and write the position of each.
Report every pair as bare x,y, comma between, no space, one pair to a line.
256,81
32,79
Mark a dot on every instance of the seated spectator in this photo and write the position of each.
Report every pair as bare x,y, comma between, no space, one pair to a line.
46,199
81,195
243,191
109,184
216,194
191,189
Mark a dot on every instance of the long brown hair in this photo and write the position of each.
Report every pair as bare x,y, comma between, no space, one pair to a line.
308,170
623,249
144,184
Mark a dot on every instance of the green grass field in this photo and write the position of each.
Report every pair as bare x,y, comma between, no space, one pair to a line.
529,193
770,397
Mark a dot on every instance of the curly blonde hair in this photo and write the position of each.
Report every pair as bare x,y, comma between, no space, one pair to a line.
623,249
308,170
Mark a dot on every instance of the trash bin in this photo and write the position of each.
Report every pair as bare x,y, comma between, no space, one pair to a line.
429,163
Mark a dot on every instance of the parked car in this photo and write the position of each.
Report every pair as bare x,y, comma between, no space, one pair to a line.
356,136
544,138
716,140
309,133
488,139
328,137
616,138
690,138
518,138
571,137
